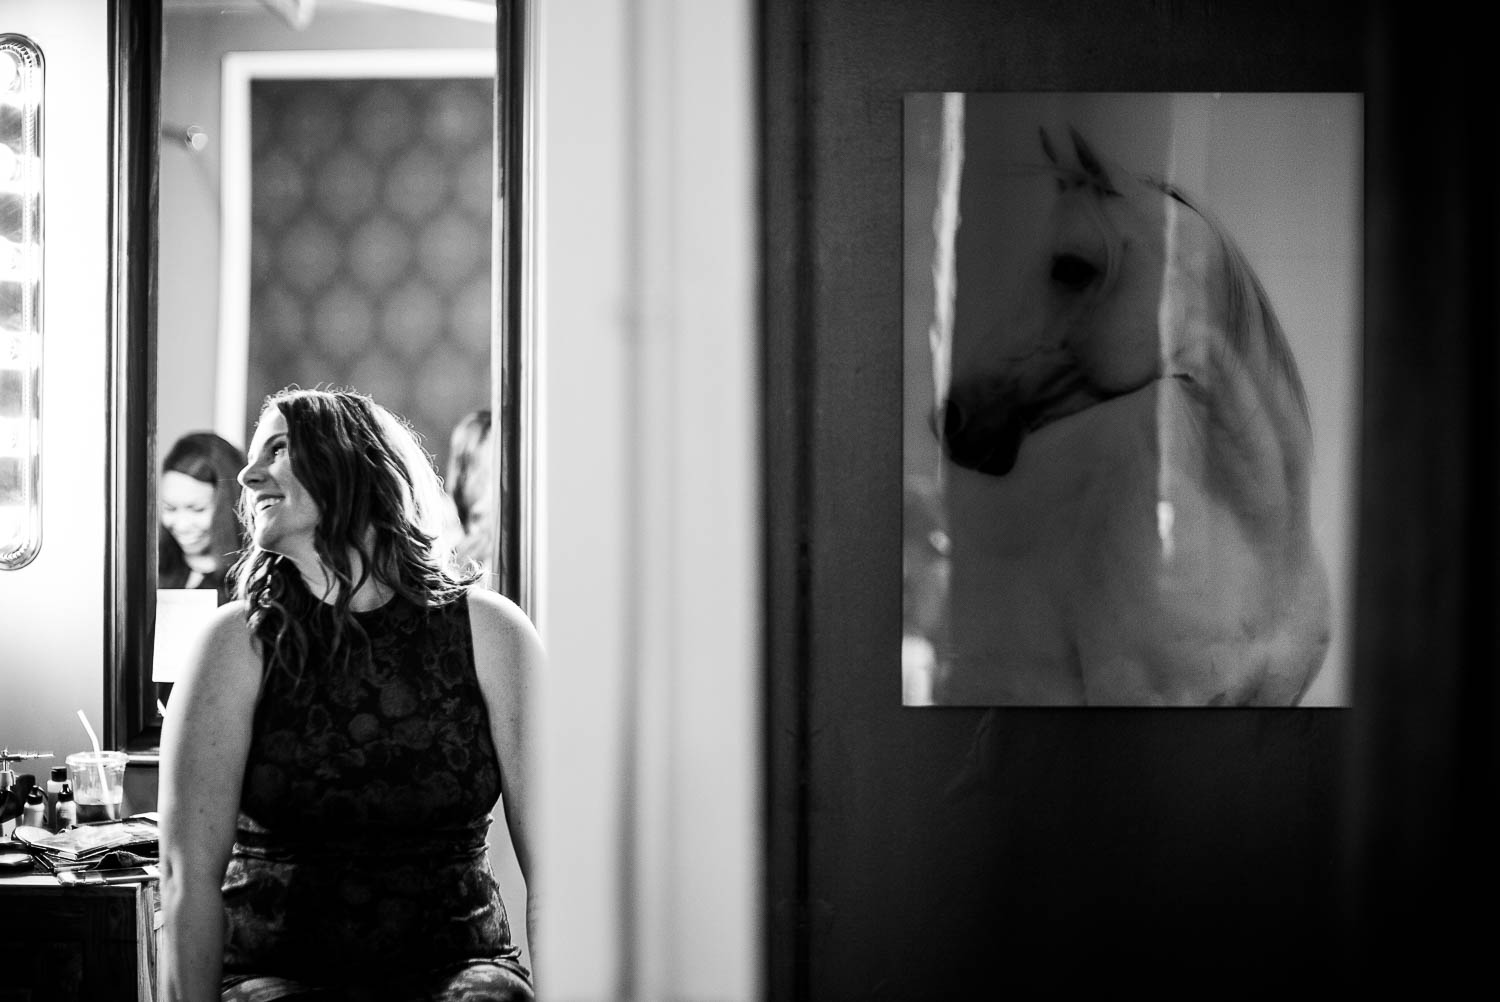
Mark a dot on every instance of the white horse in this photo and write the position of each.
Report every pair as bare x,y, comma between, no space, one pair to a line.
1130,452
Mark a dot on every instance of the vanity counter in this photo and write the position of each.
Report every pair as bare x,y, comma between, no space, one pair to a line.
86,943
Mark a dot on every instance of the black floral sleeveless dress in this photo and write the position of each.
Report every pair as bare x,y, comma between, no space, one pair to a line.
360,866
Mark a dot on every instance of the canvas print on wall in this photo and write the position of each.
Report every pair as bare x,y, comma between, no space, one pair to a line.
1131,372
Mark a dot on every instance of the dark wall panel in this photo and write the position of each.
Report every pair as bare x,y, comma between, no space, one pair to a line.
957,853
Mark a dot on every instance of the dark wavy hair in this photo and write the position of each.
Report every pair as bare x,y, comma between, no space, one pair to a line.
378,495
212,460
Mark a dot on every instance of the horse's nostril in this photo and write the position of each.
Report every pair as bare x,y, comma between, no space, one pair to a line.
982,435
953,420
1073,272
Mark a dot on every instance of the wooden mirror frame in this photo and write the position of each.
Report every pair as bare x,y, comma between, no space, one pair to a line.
135,51
130,461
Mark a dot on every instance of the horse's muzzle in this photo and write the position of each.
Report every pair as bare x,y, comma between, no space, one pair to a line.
981,431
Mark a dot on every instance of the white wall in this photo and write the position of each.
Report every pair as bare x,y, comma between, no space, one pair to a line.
52,610
648,600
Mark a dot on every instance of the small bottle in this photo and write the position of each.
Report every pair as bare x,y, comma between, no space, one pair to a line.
7,780
67,811
58,780
34,813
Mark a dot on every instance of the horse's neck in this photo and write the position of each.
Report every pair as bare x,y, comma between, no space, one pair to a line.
1108,567
1030,549
1075,483
1234,420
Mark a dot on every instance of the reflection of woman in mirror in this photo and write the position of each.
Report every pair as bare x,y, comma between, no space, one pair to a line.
470,471
200,535
333,754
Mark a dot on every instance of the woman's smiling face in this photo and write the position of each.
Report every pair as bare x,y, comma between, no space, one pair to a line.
187,511
284,514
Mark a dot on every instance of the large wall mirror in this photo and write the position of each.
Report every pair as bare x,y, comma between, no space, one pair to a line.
329,189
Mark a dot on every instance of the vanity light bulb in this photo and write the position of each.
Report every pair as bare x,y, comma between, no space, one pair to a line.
10,71
12,524
12,259
21,177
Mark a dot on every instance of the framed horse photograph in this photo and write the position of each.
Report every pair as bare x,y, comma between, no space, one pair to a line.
1132,331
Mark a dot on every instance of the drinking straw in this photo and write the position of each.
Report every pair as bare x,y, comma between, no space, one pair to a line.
98,760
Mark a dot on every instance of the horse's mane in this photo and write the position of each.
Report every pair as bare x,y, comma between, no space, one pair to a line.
1246,296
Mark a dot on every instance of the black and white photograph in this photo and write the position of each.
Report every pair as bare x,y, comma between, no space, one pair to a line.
746,500
1131,377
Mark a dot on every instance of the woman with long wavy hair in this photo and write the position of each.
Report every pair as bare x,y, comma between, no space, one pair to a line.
331,760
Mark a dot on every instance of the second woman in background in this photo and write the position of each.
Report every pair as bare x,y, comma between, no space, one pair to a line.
200,535
471,464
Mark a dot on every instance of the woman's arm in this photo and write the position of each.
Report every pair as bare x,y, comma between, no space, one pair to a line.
205,739
507,656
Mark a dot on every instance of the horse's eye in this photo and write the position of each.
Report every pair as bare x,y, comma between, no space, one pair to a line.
1073,272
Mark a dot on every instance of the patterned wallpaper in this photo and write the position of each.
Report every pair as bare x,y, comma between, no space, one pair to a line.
370,244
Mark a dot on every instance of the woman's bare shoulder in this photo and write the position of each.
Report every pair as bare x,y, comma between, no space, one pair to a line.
228,648
220,684
500,626
228,620
495,612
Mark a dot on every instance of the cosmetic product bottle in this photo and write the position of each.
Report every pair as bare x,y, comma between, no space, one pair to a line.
12,815
67,811
55,783
35,811
13,802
